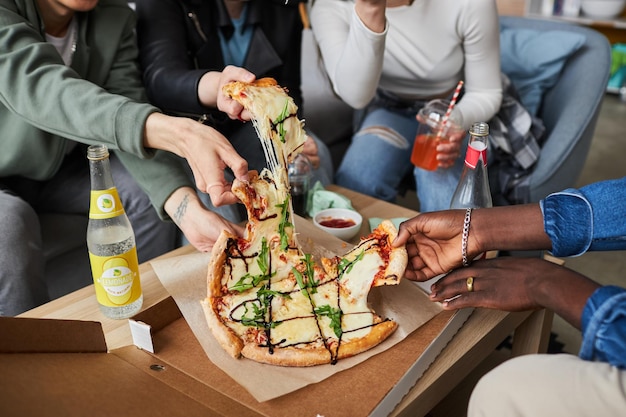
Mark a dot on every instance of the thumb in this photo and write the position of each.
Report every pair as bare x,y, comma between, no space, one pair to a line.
402,237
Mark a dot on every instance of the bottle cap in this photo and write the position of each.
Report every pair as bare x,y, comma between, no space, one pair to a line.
97,152
479,129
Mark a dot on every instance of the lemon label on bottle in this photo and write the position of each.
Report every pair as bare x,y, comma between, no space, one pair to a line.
116,279
105,204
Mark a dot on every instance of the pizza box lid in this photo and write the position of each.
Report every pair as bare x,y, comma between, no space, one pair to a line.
62,366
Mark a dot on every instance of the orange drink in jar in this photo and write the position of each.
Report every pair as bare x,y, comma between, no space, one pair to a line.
431,132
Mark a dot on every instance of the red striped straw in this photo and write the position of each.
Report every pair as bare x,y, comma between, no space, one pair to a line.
455,96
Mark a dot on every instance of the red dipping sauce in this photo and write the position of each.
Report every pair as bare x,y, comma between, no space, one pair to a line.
337,223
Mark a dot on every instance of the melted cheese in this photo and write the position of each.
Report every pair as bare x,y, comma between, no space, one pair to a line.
283,311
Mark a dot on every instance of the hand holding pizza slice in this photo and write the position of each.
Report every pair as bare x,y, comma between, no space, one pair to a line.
266,299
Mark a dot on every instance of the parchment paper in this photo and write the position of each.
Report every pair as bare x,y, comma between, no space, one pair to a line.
184,277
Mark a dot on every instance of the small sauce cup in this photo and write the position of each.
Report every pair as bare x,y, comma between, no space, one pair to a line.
339,222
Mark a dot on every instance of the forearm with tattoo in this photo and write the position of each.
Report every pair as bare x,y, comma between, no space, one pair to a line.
181,210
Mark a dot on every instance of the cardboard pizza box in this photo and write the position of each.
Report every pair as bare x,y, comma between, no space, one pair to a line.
62,367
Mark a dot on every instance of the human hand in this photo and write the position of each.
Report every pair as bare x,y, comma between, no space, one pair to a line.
211,95
310,150
201,226
433,243
232,108
517,284
448,151
206,150
501,283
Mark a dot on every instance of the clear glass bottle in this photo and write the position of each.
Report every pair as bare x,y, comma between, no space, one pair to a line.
111,243
473,189
300,172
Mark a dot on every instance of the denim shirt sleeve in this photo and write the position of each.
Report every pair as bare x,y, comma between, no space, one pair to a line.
592,218
604,327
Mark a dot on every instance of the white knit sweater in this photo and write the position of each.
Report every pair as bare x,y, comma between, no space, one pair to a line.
425,50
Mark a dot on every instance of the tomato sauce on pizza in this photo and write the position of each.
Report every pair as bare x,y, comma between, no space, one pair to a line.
269,301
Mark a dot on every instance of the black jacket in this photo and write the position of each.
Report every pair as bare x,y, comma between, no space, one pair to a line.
179,42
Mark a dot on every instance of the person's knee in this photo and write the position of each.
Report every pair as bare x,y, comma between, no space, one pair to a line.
365,184
375,163
511,387
386,134
19,221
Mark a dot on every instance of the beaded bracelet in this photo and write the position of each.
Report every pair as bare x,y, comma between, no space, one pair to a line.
465,236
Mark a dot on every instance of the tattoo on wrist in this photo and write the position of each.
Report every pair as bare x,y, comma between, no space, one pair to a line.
181,210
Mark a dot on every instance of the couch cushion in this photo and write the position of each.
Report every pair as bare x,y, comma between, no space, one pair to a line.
533,60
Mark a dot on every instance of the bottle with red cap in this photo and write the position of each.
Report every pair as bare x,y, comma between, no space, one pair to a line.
473,189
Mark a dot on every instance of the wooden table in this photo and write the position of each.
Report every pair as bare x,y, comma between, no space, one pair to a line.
480,335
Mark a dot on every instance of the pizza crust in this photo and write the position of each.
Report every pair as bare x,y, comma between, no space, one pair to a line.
398,257
289,356
266,299
229,341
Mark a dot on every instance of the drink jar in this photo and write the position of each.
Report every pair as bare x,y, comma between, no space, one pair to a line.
111,243
473,189
300,172
433,129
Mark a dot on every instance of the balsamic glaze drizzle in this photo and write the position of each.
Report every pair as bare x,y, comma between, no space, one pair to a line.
262,305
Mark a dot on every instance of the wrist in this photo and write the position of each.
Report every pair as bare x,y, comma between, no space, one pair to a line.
372,14
518,227
168,133
208,89
475,230
180,203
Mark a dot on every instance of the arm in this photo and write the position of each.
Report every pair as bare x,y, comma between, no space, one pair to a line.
201,227
567,223
44,93
172,78
170,75
591,218
348,46
604,326
516,284
207,152
481,68
433,240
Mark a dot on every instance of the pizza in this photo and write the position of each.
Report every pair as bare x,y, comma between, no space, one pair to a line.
266,299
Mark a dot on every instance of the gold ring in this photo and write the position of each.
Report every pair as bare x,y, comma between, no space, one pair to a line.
470,284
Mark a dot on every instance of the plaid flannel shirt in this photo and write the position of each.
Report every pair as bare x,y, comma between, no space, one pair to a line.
516,138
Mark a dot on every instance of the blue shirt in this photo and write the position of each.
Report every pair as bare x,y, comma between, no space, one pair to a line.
593,218
235,48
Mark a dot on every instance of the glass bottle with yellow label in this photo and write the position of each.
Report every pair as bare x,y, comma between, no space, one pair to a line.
111,243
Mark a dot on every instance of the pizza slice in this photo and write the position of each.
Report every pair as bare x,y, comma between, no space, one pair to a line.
274,116
269,301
